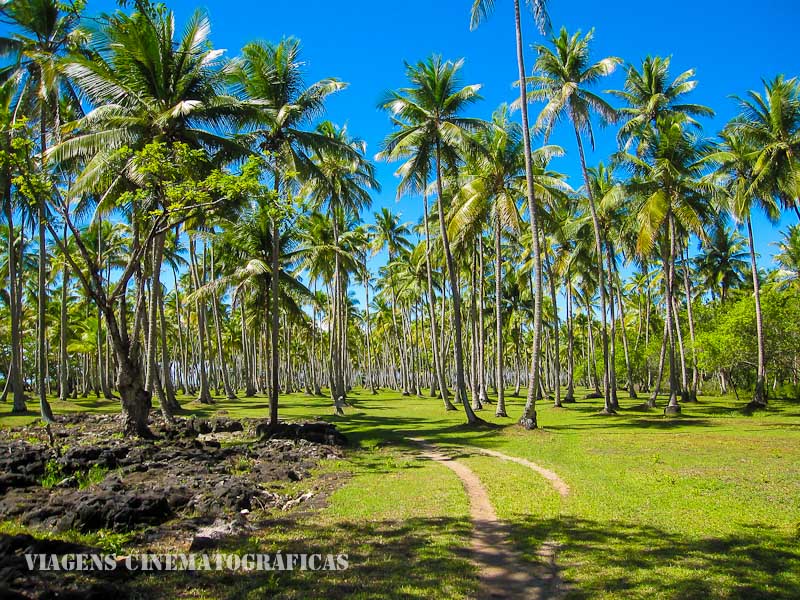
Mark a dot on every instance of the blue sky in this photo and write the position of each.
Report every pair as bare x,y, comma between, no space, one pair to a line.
732,44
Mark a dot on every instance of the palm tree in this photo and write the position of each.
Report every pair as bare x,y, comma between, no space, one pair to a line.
432,130
388,232
481,9
770,124
173,97
493,180
342,183
738,164
788,256
670,201
722,262
45,31
270,78
563,76
650,95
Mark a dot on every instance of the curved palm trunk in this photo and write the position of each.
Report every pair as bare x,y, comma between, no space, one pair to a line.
461,386
760,393
528,420
610,406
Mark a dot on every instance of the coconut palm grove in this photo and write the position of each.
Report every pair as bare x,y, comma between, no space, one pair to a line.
266,332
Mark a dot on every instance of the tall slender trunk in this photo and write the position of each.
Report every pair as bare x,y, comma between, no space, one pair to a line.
455,292
438,354
484,397
528,419
760,393
607,365
15,374
690,317
556,334
570,395
226,383
63,356
498,316
370,376
669,270
44,405
204,396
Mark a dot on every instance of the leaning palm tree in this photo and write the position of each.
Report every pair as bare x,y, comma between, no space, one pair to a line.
481,9
431,128
737,161
563,75
147,88
269,77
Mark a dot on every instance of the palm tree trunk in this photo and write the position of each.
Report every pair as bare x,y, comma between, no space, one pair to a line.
669,270
44,405
760,393
438,354
275,306
15,374
461,385
690,317
556,334
498,317
528,420
226,383
610,407
204,396
570,395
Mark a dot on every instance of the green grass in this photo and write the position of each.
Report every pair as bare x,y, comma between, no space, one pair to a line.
704,505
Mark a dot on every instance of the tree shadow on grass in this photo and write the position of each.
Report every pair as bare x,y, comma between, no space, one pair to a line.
641,561
418,558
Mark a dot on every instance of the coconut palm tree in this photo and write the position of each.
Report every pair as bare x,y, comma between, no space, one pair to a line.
770,124
670,202
563,76
282,107
481,9
650,94
44,31
788,256
738,164
431,128
722,261
341,183
389,233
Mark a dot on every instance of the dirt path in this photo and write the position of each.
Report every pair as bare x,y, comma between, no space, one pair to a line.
503,574
559,484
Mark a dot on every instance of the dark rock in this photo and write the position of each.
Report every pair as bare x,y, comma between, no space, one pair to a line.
319,432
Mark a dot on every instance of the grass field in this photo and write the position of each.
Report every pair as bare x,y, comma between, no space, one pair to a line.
705,505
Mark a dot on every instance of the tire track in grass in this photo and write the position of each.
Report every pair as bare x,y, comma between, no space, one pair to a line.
503,574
